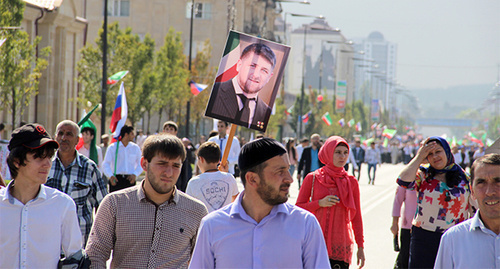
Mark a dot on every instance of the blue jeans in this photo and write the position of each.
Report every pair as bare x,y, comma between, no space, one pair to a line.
370,166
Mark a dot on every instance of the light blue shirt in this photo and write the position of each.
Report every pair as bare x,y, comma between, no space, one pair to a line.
314,160
469,245
289,237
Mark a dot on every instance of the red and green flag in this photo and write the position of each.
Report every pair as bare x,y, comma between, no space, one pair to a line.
389,133
327,119
227,67
475,139
289,111
358,127
351,123
86,122
117,77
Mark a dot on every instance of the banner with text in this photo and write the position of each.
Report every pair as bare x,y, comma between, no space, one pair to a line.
340,97
375,110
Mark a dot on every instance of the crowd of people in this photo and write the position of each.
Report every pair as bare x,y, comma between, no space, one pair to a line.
158,201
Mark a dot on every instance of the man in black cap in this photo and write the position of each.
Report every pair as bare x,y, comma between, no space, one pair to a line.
259,229
37,221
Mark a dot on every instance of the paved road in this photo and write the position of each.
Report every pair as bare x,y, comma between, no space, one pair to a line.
376,207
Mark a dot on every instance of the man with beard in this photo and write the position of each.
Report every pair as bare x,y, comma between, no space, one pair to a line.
309,161
150,225
260,229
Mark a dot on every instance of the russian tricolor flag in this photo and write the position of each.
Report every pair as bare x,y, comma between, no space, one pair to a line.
196,88
119,113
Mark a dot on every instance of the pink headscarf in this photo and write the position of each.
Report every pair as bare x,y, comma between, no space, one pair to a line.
331,176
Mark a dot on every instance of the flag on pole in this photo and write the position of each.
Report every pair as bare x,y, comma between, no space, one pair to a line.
305,118
229,59
475,139
196,88
119,113
368,141
386,142
358,127
289,111
389,133
86,122
374,126
116,77
341,122
351,123
327,119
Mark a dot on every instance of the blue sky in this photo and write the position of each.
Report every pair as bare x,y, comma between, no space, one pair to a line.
441,43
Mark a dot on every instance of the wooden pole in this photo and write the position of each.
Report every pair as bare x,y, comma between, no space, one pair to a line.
223,162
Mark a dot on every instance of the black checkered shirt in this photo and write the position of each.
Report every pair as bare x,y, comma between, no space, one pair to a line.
83,182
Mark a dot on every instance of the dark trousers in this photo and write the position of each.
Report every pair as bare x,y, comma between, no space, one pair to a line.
338,264
122,183
370,167
359,170
423,248
404,253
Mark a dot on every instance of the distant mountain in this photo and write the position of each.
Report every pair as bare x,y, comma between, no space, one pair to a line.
447,103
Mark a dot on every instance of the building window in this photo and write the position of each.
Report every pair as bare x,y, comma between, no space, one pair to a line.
201,10
119,8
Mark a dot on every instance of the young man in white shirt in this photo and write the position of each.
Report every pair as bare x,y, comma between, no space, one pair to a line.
37,222
123,171
214,188
474,242
221,140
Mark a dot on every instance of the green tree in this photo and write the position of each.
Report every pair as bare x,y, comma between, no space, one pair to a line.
125,52
172,91
201,72
20,65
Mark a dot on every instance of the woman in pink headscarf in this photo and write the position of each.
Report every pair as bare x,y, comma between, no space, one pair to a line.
333,197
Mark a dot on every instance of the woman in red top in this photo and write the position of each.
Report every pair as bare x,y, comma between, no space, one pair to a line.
333,197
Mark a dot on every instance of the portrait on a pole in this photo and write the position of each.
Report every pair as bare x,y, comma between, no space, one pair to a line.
248,81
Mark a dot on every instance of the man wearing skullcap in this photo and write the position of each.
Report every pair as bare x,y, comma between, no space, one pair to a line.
260,229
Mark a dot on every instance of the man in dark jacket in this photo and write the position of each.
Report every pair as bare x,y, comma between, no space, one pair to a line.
309,161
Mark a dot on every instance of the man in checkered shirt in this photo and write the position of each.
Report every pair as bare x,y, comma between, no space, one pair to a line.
76,175
152,224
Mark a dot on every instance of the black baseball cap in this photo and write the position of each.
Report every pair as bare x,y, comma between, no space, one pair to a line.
32,136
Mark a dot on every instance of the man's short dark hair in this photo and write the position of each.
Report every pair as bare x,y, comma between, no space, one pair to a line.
213,133
2,126
170,124
166,145
490,159
225,123
18,154
210,151
261,50
89,130
126,129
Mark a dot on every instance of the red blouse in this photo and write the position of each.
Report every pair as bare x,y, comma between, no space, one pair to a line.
339,231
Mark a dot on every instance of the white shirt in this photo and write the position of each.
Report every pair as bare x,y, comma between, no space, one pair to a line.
33,234
214,189
128,163
469,245
299,149
372,156
86,152
234,152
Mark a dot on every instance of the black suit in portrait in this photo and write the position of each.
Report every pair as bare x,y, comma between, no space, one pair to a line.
223,104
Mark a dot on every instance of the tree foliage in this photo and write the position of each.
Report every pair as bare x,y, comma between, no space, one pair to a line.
21,68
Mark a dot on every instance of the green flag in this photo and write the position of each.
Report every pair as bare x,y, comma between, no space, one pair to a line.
86,122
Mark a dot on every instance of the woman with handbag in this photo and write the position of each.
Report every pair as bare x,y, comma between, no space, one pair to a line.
333,197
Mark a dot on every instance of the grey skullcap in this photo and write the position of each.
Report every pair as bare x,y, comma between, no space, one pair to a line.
258,151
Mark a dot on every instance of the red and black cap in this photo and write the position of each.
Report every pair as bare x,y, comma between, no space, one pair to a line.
31,136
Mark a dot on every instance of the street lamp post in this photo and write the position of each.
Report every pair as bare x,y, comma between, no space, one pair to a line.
104,68
303,64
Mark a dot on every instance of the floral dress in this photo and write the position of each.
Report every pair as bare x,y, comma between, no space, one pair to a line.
439,207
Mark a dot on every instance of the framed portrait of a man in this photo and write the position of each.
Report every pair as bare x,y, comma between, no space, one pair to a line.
248,81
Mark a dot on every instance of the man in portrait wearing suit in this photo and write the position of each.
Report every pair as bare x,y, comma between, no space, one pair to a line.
238,98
